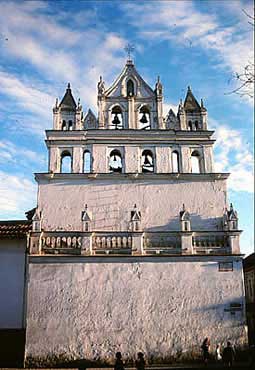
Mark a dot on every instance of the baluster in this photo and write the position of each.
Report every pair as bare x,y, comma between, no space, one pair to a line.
63,243
130,242
103,242
114,242
119,244
124,241
74,241
69,242
109,242
53,242
58,242
48,241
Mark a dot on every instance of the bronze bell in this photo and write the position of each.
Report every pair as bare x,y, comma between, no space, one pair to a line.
144,119
116,120
147,163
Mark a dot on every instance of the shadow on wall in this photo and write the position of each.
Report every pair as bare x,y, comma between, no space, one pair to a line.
197,223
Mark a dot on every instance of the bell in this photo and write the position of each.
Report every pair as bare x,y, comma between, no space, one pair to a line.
116,120
147,163
114,158
144,119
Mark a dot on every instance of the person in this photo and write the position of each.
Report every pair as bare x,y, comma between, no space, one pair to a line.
217,353
140,363
118,362
206,348
228,355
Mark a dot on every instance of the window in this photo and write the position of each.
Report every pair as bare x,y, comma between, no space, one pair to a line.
196,125
144,118
147,161
66,162
175,161
64,127
115,161
195,162
130,88
225,266
190,126
116,118
87,162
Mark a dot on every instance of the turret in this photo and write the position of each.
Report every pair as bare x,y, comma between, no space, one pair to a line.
185,219
195,115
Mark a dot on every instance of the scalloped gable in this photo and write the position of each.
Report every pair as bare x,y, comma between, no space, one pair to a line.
129,71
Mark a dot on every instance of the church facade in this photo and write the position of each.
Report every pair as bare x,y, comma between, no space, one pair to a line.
134,246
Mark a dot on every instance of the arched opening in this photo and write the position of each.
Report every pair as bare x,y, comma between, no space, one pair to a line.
130,88
196,125
147,161
115,161
66,162
70,125
116,118
195,162
190,126
175,161
87,162
64,127
144,118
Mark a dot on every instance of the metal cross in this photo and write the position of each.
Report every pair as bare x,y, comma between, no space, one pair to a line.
129,48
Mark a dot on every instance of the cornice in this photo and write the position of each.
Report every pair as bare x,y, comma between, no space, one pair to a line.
198,177
58,137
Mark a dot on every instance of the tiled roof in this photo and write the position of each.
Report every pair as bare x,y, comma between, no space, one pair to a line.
14,229
68,102
249,261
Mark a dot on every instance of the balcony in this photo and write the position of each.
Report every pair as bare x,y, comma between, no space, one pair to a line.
134,243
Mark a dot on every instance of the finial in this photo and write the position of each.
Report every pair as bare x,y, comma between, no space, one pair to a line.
183,207
231,207
56,104
79,101
202,103
158,78
100,78
180,102
135,205
68,86
189,88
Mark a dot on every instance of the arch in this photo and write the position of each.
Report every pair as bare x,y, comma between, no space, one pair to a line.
175,162
86,161
115,161
66,162
147,161
144,118
195,162
196,125
64,127
190,125
116,118
130,88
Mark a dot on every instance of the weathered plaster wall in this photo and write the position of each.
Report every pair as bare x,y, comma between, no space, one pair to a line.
111,201
12,281
163,307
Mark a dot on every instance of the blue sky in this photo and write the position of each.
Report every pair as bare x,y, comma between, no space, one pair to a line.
44,45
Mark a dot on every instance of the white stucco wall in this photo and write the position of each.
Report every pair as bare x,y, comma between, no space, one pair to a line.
164,307
110,202
12,281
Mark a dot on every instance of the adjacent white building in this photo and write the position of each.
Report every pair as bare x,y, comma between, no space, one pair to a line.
134,244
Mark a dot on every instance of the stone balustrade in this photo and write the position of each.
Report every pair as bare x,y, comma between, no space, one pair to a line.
134,243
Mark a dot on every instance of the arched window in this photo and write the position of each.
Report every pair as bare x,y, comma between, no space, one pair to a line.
190,126
64,125
116,118
195,162
70,125
87,162
147,161
66,162
175,161
115,161
144,118
130,88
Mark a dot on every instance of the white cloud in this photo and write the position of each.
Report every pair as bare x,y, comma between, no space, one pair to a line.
17,195
232,154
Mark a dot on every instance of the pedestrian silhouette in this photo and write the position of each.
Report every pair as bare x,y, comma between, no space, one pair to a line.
206,348
140,363
228,355
118,362
218,356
